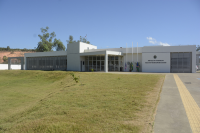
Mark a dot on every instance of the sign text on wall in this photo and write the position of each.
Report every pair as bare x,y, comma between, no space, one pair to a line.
156,61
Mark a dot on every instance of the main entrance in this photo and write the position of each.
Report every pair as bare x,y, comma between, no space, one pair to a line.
181,62
96,63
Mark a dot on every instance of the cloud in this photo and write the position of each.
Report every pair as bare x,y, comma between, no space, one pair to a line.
153,41
164,44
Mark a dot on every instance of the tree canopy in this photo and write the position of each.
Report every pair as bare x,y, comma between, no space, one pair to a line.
81,40
84,39
5,59
47,43
58,45
8,48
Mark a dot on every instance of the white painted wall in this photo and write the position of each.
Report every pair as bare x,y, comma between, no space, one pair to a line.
79,47
41,54
73,58
85,46
168,49
73,55
73,48
122,50
113,53
156,67
13,67
73,62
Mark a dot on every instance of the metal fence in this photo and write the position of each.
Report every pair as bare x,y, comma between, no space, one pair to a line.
47,63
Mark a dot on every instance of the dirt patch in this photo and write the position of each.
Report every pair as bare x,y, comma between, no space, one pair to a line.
11,54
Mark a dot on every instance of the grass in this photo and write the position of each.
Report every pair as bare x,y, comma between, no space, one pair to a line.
51,101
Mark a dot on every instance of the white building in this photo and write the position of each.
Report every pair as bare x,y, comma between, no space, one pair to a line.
84,57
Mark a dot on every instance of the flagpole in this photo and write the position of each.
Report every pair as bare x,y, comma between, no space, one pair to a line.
137,51
132,53
126,54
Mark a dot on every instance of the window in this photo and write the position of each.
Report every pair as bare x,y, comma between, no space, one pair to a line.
98,57
102,57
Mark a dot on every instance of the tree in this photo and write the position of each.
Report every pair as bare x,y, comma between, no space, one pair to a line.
198,48
70,39
47,43
5,59
59,45
83,40
8,48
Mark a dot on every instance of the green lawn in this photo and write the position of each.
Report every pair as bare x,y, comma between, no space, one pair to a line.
50,101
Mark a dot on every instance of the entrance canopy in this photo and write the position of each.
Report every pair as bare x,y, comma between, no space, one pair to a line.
105,52
22,62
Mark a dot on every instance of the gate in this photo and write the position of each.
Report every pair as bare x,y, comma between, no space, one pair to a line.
181,62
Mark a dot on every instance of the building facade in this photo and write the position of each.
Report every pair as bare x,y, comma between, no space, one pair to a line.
86,57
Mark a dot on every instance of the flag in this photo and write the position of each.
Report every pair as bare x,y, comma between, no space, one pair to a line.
131,66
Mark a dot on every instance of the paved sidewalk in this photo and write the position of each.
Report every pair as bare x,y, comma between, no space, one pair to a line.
171,115
192,83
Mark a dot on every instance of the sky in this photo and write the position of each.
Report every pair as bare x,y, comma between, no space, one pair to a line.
107,23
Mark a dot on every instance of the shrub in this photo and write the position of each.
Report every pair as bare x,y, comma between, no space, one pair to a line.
12,52
76,79
5,59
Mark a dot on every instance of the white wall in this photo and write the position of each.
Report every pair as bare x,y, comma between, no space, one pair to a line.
73,58
41,54
73,62
85,46
73,55
79,47
13,67
73,48
168,49
156,67
123,50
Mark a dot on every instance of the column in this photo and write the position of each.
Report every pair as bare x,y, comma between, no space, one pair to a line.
9,63
106,63
22,63
25,63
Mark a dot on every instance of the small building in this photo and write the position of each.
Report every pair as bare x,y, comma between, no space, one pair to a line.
86,57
